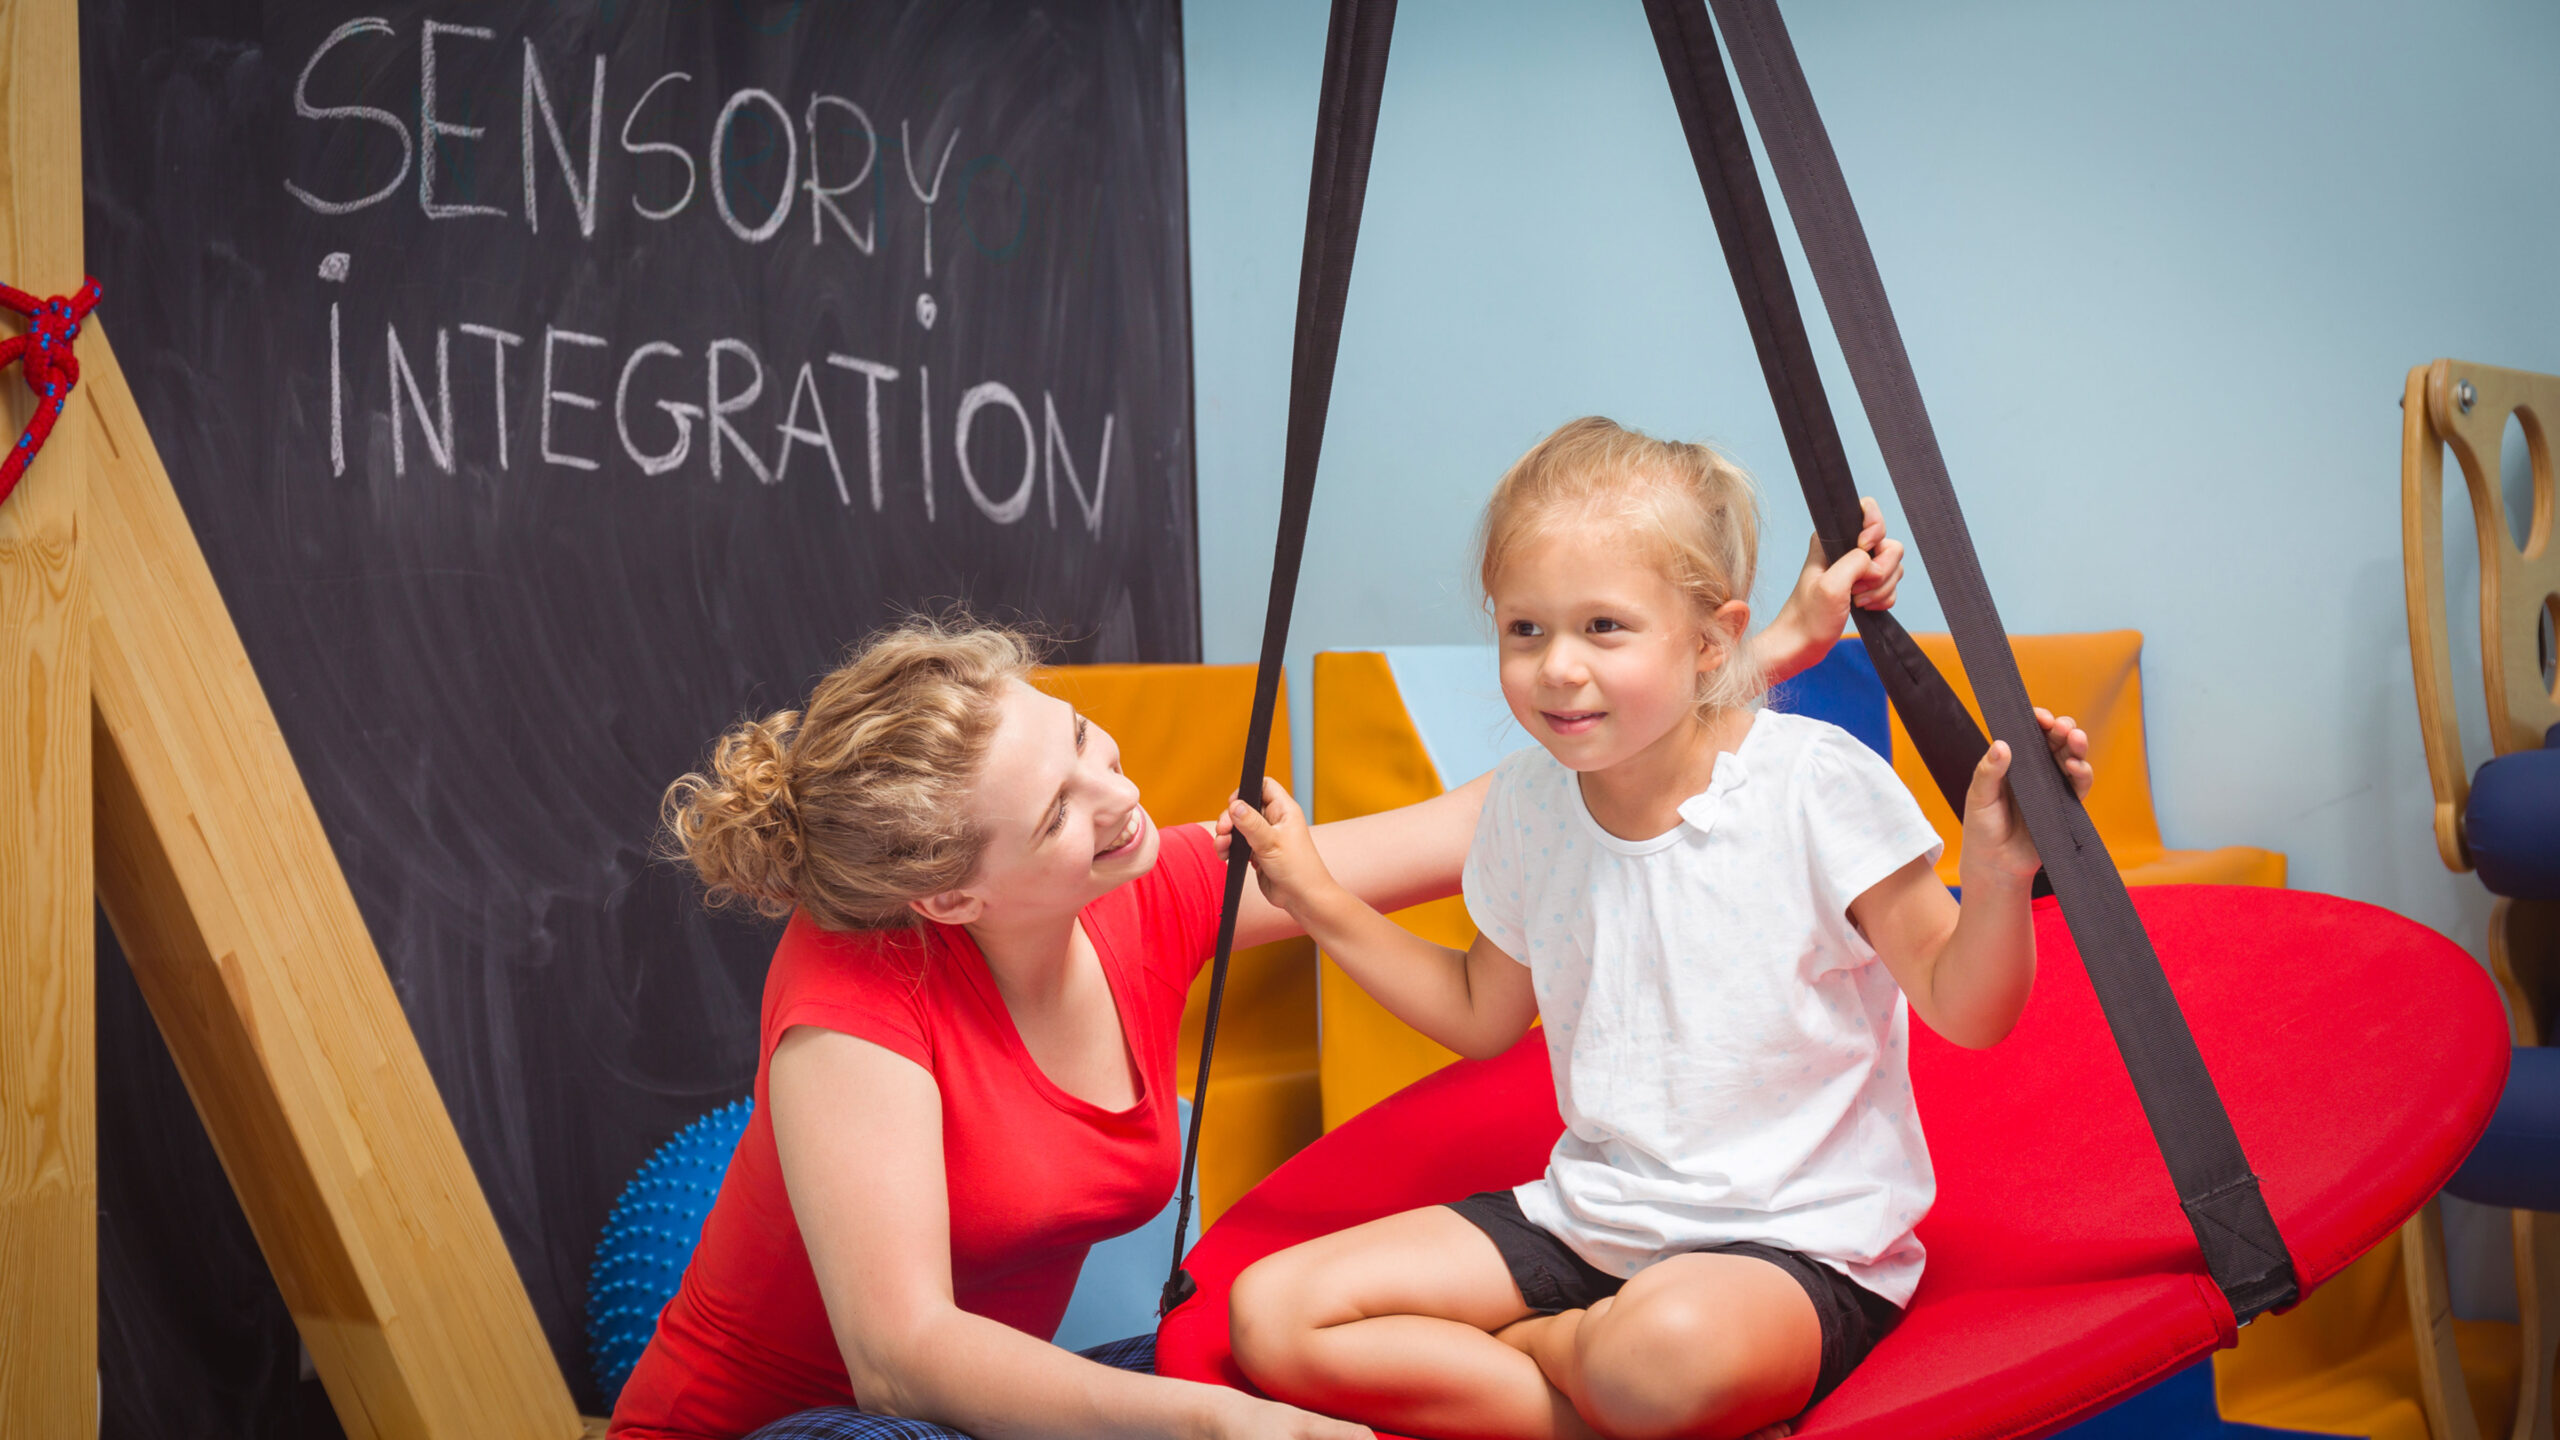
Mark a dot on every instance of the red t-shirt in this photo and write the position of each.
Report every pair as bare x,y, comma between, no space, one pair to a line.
1036,1175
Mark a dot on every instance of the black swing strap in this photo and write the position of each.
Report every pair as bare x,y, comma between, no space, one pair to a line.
1940,727
2242,1248
1355,71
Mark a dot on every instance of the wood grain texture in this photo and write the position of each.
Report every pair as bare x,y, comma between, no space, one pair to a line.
2466,407
2441,1390
193,1339
248,946
2422,578
48,1163
2524,950
2519,584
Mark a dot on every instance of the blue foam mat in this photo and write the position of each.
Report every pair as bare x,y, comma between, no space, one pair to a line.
2178,1408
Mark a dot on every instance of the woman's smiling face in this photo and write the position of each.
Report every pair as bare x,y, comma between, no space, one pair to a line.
1063,826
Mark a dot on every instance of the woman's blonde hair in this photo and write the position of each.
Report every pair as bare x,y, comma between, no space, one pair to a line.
1691,509
855,804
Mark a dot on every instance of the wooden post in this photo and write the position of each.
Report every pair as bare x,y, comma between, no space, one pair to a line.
248,945
2456,404
48,1112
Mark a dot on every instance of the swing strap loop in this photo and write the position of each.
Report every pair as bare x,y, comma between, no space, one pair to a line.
1355,72
1940,727
2242,1248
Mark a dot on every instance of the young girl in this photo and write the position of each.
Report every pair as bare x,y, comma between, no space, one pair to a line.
1689,890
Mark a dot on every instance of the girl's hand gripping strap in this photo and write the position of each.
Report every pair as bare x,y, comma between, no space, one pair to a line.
1355,70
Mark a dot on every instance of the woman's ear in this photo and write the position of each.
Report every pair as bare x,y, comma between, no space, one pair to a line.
951,907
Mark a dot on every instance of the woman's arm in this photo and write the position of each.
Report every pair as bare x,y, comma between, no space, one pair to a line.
867,1187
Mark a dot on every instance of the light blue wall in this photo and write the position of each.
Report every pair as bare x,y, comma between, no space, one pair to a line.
2161,268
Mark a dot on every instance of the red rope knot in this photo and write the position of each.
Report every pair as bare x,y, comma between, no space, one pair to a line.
45,356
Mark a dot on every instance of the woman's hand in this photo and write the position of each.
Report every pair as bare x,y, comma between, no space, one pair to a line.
1239,1416
1818,608
1285,863
1995,835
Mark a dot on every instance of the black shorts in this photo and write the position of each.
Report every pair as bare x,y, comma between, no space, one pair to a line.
1553,1278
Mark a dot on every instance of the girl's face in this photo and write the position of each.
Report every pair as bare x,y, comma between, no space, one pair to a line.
1601,653
1063,825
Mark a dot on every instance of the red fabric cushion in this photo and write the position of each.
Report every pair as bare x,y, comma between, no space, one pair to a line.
2360,1055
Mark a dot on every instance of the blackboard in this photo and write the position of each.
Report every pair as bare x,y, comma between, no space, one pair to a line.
550,383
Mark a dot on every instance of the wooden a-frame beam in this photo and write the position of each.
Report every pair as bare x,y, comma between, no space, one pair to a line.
257,965
119,664
48,1014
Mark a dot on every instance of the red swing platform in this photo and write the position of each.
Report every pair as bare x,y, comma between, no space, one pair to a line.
2360,1055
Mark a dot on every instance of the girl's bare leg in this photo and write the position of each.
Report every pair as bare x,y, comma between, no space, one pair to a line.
1390,1323
1694,1346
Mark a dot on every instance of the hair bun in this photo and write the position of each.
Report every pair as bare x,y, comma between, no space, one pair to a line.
738,826
856,805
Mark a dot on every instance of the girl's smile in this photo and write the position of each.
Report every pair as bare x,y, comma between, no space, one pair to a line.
1603,662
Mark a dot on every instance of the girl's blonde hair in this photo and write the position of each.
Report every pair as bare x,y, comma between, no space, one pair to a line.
855,804
1692,510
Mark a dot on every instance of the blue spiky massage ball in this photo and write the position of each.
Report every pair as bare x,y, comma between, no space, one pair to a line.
649,1237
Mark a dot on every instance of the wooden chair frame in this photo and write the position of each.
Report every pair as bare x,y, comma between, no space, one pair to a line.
2465,406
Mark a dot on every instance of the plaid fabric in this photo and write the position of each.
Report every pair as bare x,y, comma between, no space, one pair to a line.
843,1422
1138,1353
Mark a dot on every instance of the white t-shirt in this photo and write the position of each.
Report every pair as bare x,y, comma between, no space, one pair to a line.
1731,1062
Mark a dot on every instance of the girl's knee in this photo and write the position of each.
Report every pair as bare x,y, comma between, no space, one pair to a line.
1648,1375
1658,1331
1271,1314
1657,1406
1674,1367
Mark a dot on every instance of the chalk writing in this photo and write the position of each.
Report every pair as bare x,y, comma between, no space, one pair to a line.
601,403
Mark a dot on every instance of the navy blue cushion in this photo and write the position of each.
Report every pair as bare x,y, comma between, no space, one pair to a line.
843,1422
2513,825
2181,1407
2517,1163
1844,690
